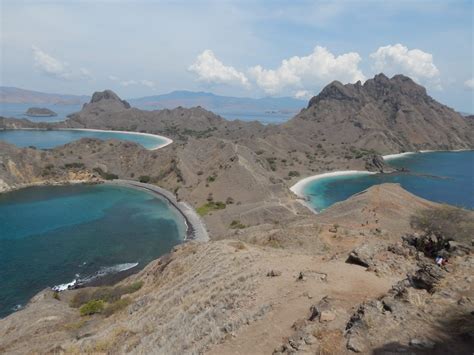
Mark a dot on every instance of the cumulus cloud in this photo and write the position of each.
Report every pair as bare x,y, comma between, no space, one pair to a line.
303,94
148,83
56,68
469,84
308,72
211,70
50,65
398,59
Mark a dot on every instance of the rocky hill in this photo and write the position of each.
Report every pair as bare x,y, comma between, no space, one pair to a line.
40,112
384,115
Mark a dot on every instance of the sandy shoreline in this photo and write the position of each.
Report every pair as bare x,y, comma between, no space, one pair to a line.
398,155
298,188
167,140
196,230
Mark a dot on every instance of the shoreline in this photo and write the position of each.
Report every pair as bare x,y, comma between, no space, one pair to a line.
195,227
167,140
298,188
399,155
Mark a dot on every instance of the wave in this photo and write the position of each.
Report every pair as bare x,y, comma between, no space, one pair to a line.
103,271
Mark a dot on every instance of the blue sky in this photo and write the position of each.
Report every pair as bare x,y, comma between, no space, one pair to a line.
241,48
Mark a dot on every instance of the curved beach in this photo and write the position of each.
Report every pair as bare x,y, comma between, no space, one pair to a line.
399,155
167,140
196,229
298,188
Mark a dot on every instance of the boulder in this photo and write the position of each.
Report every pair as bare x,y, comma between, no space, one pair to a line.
363,255
426,277
327,316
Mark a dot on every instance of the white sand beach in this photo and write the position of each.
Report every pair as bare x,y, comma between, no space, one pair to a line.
298,188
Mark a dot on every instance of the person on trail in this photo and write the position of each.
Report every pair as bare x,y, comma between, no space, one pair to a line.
439,260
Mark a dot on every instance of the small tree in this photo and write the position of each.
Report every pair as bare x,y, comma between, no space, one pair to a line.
445,223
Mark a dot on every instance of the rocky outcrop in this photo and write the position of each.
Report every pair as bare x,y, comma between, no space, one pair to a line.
384,115
107,95
40,112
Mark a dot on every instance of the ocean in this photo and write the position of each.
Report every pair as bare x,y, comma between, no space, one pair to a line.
53,235
46,139
445,177
19,110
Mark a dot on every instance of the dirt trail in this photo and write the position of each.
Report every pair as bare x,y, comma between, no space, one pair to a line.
291,299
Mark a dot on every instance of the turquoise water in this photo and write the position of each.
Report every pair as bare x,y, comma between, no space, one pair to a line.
446,177
43,139
53,235
19,110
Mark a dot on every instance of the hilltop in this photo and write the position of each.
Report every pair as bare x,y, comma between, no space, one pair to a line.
283,289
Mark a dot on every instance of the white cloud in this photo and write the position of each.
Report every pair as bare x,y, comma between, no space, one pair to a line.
85,73
398,59
469,84
128,82
211,70
148,83
303,94
51,66
308,72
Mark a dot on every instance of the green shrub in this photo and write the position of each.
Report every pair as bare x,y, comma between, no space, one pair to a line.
210,206
293,173
116,306
105,294
92,307
211,178
144,178
74,165
237,225
105,175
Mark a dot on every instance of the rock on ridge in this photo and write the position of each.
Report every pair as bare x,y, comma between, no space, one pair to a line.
108,95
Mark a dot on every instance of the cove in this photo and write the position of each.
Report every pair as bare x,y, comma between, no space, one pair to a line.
53,235
444,177
47,139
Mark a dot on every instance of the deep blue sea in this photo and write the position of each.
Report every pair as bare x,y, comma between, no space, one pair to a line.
19,110
446,177
53,235
43,139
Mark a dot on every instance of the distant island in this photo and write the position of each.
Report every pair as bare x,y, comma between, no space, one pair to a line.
40,112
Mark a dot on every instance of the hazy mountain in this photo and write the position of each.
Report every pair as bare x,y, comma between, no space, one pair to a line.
219,103
13,95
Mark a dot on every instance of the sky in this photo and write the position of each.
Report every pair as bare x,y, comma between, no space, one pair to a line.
238,48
